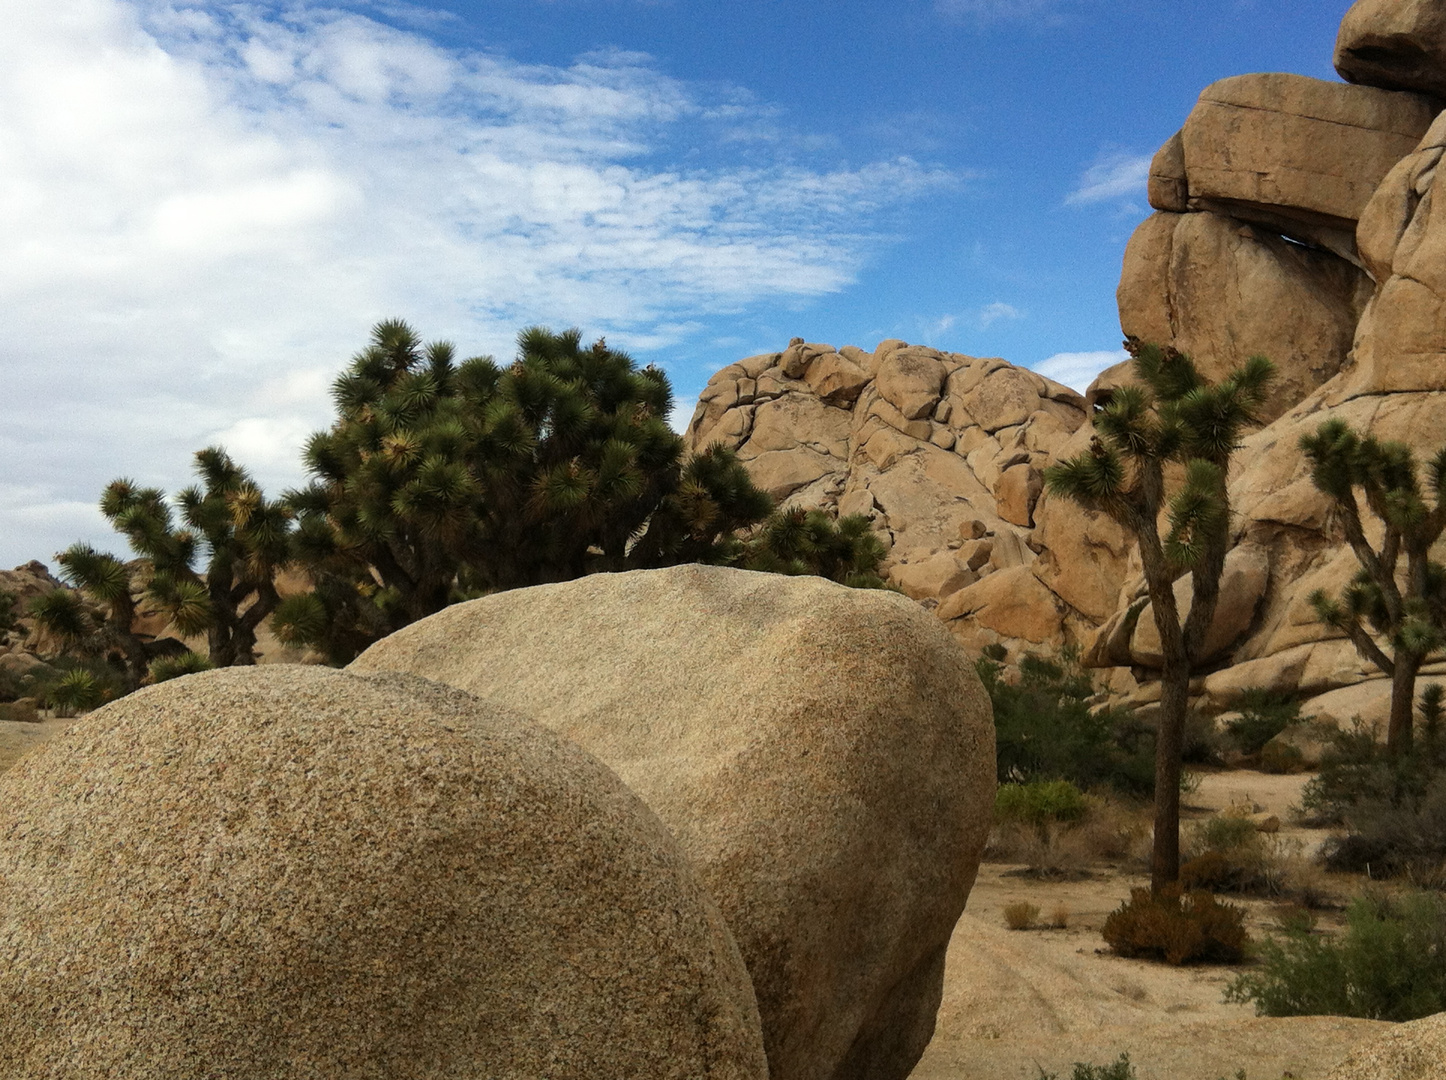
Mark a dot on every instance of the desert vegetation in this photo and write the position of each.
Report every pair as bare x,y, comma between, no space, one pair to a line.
439,480
1174,416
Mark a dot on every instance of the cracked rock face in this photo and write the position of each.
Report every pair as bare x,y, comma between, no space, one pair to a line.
944,453
1396,44
1223,290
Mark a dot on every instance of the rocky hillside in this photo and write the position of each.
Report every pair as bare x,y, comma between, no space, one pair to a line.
1293,217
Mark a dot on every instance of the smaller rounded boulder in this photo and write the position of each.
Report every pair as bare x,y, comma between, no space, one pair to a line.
288,871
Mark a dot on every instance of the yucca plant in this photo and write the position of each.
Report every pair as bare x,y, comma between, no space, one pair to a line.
75,691
173,667
1405,606
1171,416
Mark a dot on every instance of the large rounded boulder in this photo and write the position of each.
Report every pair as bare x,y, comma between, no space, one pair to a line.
824,755
1411,1051
286,871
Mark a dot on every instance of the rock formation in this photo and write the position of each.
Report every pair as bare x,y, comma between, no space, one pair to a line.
824,755
1253,249
1294,218
944,454
290,871
1389,385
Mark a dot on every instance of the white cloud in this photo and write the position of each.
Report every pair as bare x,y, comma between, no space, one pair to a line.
204,207
992,313
1115,175
1078,369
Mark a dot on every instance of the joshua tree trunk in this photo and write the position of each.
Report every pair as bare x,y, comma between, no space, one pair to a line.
1403,693
1169,741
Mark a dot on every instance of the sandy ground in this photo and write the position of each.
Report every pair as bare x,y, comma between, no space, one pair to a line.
16,738
1018,1001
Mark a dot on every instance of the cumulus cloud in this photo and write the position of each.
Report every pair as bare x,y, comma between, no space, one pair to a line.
206,206
1078,369
1115,176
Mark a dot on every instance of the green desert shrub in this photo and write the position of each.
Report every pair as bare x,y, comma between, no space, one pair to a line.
1393,807
1389,964
1039,803
172,667
1120,1069
1177,927
1045,728
1263,716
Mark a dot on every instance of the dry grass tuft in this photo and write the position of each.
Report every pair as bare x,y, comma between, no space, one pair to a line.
1059,920
1020,915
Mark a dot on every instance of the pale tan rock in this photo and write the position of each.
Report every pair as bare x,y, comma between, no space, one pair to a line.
1003,398
1400,344
1279,673
835,809
886,446
930,579
1410,1051
1369,702
1222,291
911,380
21,711
782,472
798,420
1395,44
1013,603
1166,188
836,380
289,871
881,353
1085,555
1016,492
890,415
1242,584
858,357
1296,153
1309,740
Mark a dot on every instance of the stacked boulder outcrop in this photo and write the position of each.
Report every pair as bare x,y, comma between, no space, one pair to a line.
1363,221
1294,218
944,453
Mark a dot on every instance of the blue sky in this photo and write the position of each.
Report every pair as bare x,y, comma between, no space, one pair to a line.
205,206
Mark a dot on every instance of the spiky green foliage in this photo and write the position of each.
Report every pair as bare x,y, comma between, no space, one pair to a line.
106,581
440,480
211,572
810,542
61,615
1394,609
173,667
1172,416
75,691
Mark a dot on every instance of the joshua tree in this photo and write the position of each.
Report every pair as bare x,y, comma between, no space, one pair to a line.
107,581
1172,416
243,537
1406,606
810,542
440,480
